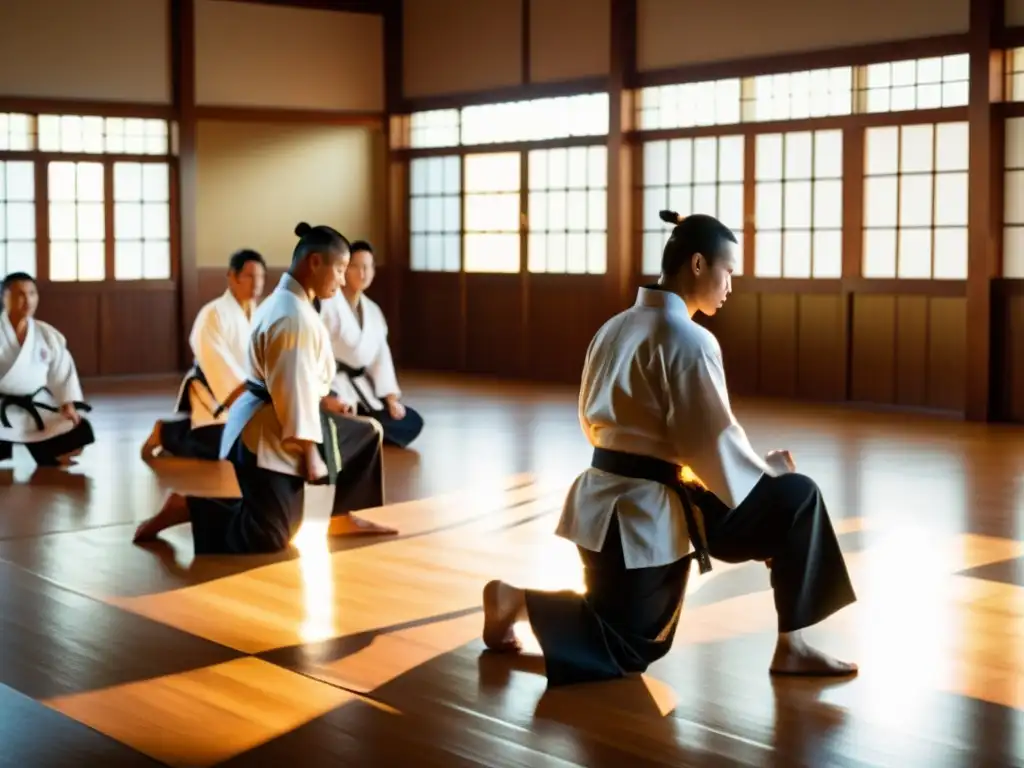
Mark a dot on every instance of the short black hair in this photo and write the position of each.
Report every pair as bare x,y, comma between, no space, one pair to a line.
16,277
240,258
318,239
362,245
696,233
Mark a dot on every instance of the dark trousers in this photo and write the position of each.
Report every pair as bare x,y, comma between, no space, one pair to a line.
46,453
269,513
178,438
627,620
399,432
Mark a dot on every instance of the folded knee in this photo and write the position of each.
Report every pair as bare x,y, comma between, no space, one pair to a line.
800,485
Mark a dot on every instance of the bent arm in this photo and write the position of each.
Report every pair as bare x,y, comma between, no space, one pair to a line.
382,371
62,375
708,435
292,379
219,360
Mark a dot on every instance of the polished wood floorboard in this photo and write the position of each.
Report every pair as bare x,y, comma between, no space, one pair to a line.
366,653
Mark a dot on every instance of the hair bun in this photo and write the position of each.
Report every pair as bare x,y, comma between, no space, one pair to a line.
302,229
670,217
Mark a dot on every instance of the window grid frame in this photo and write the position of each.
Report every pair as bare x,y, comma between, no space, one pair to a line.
519,231
547,230
5,230
898,227
811,230
1011,169
41,160
650,225
443,233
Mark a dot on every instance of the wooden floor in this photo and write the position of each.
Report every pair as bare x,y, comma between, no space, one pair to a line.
368,654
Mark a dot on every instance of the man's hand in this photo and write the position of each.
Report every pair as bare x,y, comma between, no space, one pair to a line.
781,461
315,467
69,412
395,409
336,406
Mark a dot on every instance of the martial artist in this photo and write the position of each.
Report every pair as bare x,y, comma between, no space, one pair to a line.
220,346
286,429
366,372
40,394
653,400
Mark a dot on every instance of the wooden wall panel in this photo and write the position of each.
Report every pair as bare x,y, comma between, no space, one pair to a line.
730,30
911,350
821,349
873,349
563,314
736,328
431,321
778,344
495,320
947,353
119,330
1009,320
139,332
75,313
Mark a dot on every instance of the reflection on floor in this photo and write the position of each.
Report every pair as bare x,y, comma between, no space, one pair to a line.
367,653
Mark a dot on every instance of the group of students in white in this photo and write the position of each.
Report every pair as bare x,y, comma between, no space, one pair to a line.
302,389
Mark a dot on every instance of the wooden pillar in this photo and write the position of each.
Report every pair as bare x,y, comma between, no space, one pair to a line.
984,219
396,174
623,259
183,73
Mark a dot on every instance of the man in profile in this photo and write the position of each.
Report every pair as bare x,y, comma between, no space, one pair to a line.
220,345
653,401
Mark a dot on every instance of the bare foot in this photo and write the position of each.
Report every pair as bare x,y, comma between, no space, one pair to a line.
798,658
350,525
152,446
68,459
503,604
173,512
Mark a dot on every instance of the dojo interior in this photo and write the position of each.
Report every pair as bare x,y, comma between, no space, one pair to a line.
508,159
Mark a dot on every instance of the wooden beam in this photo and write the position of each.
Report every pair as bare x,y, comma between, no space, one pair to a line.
277,115
525,54
347,6
396,174
183,74
623,258
984,215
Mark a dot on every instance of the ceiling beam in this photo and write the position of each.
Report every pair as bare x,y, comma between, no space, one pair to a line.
349,6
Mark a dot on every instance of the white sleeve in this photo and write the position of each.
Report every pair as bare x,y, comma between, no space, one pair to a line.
292,377
62,375
708,435
382,369
216,358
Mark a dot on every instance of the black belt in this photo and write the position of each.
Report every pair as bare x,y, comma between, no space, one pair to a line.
356,373
196,375
659,471
330,450
29,404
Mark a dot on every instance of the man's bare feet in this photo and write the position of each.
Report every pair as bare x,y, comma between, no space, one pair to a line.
68,459
152,446
350,525
793,656
173,512
503,606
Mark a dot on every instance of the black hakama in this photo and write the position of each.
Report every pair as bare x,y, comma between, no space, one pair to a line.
627,619
269,513
46,453
179,438
398,432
